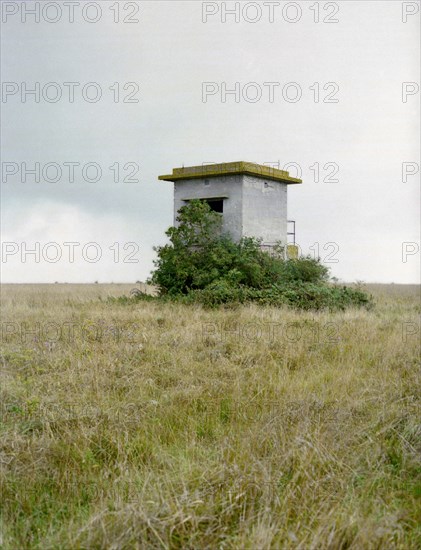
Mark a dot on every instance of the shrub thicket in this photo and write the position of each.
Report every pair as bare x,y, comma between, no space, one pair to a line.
202,265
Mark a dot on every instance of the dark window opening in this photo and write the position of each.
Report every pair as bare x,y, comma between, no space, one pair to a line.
216,205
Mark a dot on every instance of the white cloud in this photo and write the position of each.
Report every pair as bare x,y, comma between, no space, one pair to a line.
47,228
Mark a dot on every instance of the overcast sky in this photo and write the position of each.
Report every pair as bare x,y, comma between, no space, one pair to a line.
335,109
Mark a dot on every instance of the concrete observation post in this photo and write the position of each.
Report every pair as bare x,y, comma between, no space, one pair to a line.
251,198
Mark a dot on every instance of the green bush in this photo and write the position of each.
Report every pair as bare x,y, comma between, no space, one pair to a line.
298,295
202,265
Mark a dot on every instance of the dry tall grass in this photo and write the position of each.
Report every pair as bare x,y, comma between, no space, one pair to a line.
163,426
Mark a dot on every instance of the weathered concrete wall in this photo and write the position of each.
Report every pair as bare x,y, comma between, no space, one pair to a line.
253,206
227,187
265,209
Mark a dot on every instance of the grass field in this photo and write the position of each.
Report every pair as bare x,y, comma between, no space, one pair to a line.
165,426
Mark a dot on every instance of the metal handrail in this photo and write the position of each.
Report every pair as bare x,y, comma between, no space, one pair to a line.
293,231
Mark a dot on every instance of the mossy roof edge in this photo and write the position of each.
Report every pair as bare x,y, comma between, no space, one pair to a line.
230,168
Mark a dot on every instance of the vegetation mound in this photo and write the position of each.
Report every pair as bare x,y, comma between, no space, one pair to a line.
202,265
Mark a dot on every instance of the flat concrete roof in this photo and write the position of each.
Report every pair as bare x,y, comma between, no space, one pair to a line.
229,169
